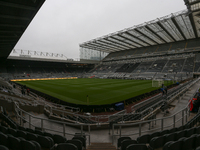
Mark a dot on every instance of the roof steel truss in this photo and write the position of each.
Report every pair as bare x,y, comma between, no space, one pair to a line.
171,28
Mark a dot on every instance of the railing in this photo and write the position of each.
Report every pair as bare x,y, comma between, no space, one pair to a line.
172,121
20,117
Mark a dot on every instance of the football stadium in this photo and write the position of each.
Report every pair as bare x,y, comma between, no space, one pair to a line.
134,89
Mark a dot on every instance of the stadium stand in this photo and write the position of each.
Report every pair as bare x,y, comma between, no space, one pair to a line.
175,59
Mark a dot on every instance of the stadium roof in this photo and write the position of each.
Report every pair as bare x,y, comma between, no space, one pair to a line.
15,16
178,26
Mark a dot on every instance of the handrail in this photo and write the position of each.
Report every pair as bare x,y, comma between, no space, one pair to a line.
18,109
183,118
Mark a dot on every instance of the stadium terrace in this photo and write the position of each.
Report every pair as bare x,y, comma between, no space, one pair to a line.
135,89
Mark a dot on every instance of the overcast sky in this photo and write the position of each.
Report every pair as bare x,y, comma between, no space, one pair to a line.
61,25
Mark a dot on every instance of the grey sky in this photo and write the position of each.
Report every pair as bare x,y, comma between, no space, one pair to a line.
61,25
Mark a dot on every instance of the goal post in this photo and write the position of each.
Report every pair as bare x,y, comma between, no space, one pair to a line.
157,82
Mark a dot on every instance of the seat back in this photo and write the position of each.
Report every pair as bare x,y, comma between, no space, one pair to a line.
157,142
14,143
3,139
3,147
76,142
176,145
137,147
144,139
170,137
28,145
82,139
66,146
188,143
126,143
121,139
59,139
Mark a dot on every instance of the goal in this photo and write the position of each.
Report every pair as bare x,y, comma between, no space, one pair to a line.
157,82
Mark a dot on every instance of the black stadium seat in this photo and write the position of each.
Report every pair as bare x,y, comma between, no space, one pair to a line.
144,139
137,147
157,142
188,143
45,142
3,139
14,143
126,143
76,142
59,139
121,139
66,146
28,145
3,147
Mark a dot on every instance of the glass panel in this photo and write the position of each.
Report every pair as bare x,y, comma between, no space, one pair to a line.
126,40
171,28
114,44
121,43
151,35
134,39
140,36
185,25
156,28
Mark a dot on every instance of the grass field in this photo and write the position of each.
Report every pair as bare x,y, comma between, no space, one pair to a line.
99,91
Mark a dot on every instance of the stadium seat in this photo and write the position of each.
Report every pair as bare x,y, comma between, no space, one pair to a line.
3,147
30,130
39,132
137,147
37,145
144,139
31,136
45,142
170,137
198,148
22,134
3,139
48,134
59,139
28,145
180,134
3,129
165,147
76,142
197,130
176,145
188,143
14,143
82,139
157,142
196,140
172,130
121,139
66,146
126,143
12,132
189,132
155,134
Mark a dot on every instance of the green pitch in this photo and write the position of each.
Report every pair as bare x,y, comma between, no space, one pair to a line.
99,91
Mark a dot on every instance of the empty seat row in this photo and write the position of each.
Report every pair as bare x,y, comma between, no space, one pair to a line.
189,143
16,143
166,135
180,132
50,138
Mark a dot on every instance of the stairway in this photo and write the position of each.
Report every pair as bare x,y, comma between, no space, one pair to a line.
101,146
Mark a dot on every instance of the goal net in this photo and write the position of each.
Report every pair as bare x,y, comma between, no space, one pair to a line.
157,82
